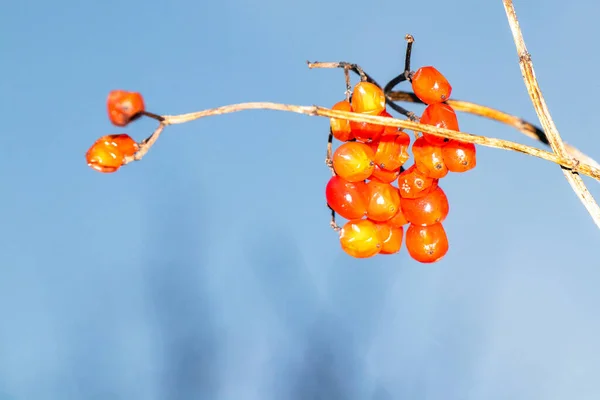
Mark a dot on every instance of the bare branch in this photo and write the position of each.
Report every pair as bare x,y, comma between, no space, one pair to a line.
543,113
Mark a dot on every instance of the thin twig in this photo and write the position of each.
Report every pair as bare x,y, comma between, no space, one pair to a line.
543,113
527,128
568,163
147,144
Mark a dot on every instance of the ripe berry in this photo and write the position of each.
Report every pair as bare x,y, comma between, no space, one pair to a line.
124,107
413,183
366,132
427,210
391,238
340,128
398,220
440,115
359,238
384,175
389,129
348,199
459,156
368,98
108,153
428,159
430,85
392,150
426,244
353,161
383,201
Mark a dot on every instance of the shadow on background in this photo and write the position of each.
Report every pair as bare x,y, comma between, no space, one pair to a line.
188,338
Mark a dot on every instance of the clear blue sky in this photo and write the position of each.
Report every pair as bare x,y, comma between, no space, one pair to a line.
208,270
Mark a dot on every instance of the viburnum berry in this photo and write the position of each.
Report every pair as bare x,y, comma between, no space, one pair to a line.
359,238
392,150
426,244
108,153
427,210
353,161
383,201
366,132
389,129
440,115
384,175
430,86
340,128
459,156
348,199
398,220
391,238
413,183
124,107
368,98
428,158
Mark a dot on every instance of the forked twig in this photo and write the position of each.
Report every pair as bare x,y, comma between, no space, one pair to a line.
544,116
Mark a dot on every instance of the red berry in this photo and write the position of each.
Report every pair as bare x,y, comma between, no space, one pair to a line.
366,132
124,107
359,238
459,156
428,159
398,220
391,238
413,183
368,98
340,128
389,129
426,244
108,153
440,115
427,210
430,85
353,161
392,150
348,199
383,201
384,175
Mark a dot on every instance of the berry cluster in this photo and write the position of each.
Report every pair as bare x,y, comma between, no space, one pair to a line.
109,153
371,159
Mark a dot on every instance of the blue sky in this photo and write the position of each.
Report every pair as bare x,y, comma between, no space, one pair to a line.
209,271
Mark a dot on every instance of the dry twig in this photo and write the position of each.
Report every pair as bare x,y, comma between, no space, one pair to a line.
544,114
566,162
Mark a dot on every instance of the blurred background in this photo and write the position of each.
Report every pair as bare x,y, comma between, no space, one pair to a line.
209,271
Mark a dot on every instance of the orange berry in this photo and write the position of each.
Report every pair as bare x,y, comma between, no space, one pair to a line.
459,156
398,220
340,128
440,115
348,199
368,98
392,150
389,129
413,183
124,107
428,159
430,85
391,238
359,238
427,210
384,175
353,161
108,153
426,244
366,132
383,201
